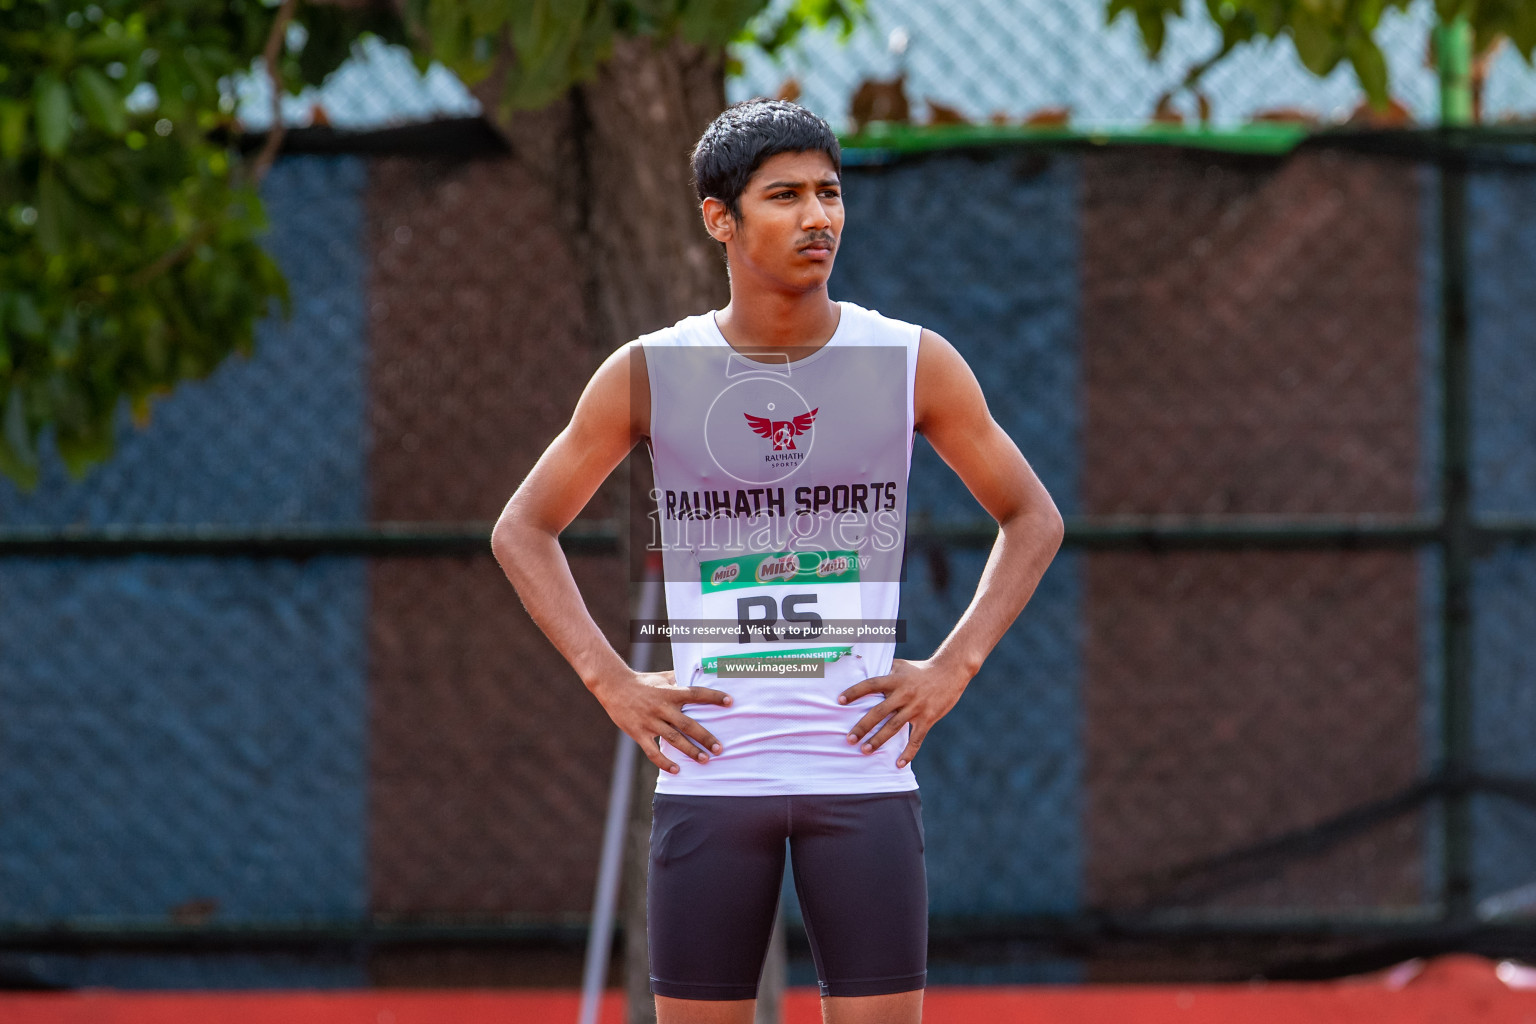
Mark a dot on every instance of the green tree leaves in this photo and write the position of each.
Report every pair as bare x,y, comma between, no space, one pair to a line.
770,33
101,102
1369,63
1327,33
557,43
53,114
91,194
1151,17
129,255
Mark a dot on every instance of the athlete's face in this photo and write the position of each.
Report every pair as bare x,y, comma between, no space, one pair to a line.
790,224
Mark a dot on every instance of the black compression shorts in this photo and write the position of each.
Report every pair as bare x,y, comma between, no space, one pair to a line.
716,866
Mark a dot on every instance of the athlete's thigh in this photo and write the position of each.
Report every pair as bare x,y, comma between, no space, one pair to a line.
858,864
898,1008
698,1011
716,868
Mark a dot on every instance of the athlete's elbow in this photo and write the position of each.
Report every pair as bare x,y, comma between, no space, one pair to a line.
503,541
512,536
1052,526
1041,521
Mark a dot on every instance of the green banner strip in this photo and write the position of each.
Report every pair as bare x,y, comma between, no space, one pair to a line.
880,138
779,568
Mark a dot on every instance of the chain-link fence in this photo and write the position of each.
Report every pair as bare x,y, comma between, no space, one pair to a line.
274,717
1040,63
1057,63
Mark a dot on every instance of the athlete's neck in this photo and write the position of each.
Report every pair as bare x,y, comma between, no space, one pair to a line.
765,325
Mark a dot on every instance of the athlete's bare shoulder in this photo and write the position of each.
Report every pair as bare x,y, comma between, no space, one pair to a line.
618,397
944,384
639,389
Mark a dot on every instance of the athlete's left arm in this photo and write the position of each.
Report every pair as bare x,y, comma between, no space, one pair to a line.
951,412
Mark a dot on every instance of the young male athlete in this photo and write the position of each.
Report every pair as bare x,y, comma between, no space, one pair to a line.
780,430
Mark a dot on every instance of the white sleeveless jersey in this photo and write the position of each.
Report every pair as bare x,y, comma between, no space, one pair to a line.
781,492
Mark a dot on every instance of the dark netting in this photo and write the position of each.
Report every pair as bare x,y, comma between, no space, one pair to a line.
1503,358
1504,705
488,761
478,337
1503,212
1001,775
1226,708
279,438
184,740
1250,335
1238,699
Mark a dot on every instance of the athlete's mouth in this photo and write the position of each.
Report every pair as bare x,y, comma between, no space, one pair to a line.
818,245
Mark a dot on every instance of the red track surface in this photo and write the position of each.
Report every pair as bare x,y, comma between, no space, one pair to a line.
1452,990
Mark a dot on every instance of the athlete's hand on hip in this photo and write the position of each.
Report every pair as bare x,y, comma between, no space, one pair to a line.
917,693
648,705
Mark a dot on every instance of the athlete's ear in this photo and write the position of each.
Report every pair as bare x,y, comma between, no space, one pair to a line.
718,220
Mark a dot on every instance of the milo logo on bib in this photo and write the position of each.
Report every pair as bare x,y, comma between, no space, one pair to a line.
836,566
778,568
725,574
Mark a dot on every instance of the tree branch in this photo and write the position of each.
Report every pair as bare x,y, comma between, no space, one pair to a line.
171,257
1197,71
270,55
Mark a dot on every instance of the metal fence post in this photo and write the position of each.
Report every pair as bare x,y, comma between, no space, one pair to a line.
1453,47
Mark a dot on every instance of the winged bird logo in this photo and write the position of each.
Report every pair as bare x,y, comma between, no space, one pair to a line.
782,432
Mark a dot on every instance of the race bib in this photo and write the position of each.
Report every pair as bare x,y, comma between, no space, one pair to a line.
786,604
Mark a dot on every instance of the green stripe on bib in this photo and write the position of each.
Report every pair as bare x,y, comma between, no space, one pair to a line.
798,654
780,568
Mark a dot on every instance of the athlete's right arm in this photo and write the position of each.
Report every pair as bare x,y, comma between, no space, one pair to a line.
611,417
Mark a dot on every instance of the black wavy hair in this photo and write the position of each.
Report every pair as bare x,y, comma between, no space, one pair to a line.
747,133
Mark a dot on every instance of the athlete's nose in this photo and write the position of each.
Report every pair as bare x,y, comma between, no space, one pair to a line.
816,217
